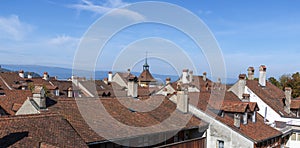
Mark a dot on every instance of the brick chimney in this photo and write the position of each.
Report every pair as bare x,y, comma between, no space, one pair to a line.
132,87
46,76
246,98
204,77
288,99
29,76
191,78
262,75
251,73
237,120
110,76
184,77
183,101
21,73
168,80
241,85
39,97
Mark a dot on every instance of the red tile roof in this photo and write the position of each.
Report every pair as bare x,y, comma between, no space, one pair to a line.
32,130
251,130
13,100
68,108
295,104
146,76
270,94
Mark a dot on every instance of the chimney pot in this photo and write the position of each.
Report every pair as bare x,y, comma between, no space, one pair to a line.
246,98
262,75
204,76
132,87
110,75
251,73
46,76
184,78
183,101
237,120
191,76
29,76
242,76
70,92
241,86
105,80
168,80
288,97
21,73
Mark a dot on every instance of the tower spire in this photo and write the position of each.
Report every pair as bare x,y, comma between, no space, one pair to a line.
146,66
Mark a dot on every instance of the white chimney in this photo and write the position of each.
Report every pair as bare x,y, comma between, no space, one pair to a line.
132,87
237,120
288,97
183,101
184,78
251,73
245,118
191,78
110,76
168,80
21,73
29,76
105,80
204,76
262,75
254,116
70,92
39,97
241,85
46,76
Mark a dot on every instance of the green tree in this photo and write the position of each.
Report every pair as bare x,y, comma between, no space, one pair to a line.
288,80
274,82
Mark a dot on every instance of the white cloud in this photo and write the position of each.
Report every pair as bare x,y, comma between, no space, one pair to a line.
87,5
63,40
12,28
108,5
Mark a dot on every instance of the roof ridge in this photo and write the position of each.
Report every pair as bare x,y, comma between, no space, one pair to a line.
13,117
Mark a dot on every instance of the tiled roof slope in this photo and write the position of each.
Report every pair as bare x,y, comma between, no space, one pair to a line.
12,100
251,130
69,109
295,104
270,94
32,130
146,76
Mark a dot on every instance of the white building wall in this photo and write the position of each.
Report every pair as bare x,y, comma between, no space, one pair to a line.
117,79
27,108
271,114
219,131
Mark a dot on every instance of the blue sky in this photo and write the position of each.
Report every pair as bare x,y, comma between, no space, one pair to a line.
250,33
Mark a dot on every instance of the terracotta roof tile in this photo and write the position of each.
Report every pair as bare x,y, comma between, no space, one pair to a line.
68,108
295,104
146,76
13,99
31,130
251,130
270,94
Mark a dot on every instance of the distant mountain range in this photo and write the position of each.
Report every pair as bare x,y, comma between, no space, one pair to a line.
65,73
